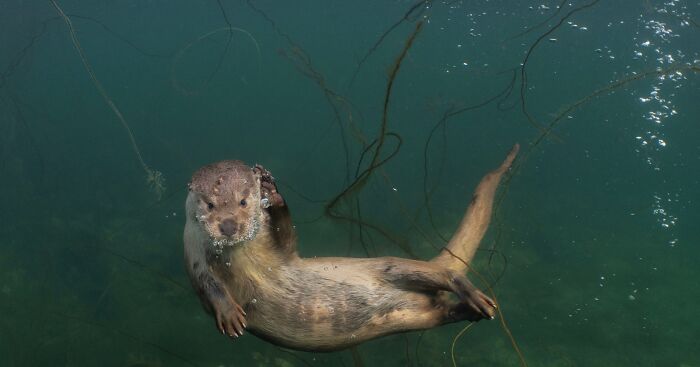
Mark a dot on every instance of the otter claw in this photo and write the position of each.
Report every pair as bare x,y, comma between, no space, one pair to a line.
231,320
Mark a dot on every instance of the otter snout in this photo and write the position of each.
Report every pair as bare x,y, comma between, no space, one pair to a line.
228,227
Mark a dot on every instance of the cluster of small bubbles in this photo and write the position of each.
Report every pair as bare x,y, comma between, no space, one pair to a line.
655,45
579,312
661,105
661,30
468,25
219,245
574,25
539,7
655,39
605,51
663,217
252,230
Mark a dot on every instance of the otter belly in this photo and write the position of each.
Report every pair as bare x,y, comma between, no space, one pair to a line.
325,305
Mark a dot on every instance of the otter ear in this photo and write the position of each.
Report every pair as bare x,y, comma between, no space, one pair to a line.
268,188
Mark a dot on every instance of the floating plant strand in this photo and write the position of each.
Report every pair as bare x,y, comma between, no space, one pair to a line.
154,178
230,30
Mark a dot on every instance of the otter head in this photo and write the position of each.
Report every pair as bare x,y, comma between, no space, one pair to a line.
225,199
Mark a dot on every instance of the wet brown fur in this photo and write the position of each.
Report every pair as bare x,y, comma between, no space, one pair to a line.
320,304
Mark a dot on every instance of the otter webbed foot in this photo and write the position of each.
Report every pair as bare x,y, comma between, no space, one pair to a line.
424,276
474,305
230,318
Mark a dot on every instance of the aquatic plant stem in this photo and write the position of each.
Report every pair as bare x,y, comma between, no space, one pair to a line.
454,341
154,178
530,29
380,40
374,162
178,55
442,123
491,293
523,72
303,63
228,42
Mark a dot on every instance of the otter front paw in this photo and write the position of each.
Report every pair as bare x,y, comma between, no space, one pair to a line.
269,187
230,319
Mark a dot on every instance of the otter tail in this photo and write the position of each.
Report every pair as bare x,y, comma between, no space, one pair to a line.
466,239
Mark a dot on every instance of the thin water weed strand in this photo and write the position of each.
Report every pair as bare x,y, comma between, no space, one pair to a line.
454,341
173,77
154,178
568,109
523,66
228,42
451,112
491,293
424,3
540,24
375,161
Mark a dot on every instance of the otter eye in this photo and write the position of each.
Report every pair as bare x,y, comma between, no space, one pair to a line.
243,202
210,206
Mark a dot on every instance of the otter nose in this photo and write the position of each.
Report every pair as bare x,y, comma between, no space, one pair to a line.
228,227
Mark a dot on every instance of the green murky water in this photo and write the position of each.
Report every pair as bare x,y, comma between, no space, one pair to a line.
597,234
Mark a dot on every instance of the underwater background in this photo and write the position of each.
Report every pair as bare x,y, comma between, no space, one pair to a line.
107,107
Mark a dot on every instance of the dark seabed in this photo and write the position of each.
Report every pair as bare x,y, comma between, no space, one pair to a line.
594,241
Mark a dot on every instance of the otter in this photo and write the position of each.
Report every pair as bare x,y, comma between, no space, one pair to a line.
241,257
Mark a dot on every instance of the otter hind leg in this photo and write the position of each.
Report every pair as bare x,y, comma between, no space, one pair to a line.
427,277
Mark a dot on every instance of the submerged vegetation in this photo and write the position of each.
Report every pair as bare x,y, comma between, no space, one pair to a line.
106,272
